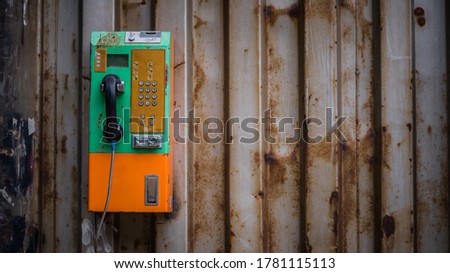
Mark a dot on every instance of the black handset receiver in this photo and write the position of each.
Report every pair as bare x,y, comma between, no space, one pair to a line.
111,84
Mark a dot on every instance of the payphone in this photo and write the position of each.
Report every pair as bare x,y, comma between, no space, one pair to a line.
130,148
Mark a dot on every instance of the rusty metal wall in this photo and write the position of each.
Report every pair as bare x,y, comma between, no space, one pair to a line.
19,134
294,73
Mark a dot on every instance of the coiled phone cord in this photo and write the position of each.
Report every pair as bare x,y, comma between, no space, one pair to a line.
111,169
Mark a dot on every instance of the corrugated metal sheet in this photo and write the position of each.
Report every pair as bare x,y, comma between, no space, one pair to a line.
293,71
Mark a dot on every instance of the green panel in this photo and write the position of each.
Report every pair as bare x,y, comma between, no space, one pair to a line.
114,43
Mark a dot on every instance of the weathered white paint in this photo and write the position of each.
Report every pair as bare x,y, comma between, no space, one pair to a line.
207,183
321,92
397,123
365,127
281,186
245,93
432,128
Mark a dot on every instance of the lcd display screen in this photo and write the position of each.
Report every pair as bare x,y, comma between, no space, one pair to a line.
117,60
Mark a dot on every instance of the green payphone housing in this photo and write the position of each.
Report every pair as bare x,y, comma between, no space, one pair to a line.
130,149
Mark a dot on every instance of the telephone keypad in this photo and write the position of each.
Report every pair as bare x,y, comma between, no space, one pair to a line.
148,72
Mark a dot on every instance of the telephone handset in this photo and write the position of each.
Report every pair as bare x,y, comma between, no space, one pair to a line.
111,84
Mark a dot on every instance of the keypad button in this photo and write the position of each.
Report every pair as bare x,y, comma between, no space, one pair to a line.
147,96
142,116
141,96
141,89
147,90
141,83
141,103
142,123
154,103
154,90
154,83
152,123
152,116
147,103
154,96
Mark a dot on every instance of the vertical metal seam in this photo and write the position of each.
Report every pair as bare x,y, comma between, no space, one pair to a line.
338,112
152,7
80,123
55,128
302,115
377,176
116,12
261,78
414,127
188,78
357,136
265,146
152,237
41,126
190,148
447,34
226,115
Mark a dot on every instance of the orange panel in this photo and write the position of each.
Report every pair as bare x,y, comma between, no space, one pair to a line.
128,185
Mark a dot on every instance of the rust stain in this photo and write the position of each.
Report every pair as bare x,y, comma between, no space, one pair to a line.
429,129
346,216
126,6
200,79
421,21
277,171
322,150
47,75
409,126
419,11
260,194
388,225
271,13
257,159
387,140
274,62
277,175
256,9
207,222
109,39
334,215
366,145
199,22
75,195
74,44
66,80
64,145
